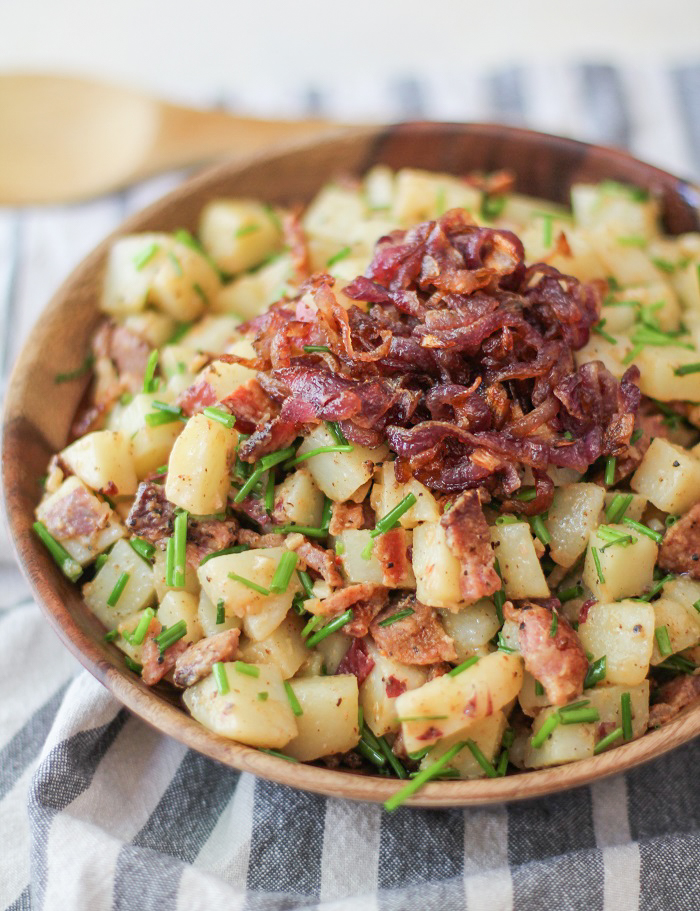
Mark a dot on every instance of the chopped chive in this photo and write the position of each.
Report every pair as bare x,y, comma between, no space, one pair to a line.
84,369
678,663
145,256
599,330
139,633
293,701
164,416
423,718
277,754
554,625
126,398
338,447
502,766
574,705
687,368
499,597
607,741
310,626
636,436
618,507
143,548
334,625
283,573
220,612
670,520
111,635
597,671
502,645
470,662
245,230
507,520
370,754
391,519
339,548
169,562
250,670
249,584
539,689
270,493
646,335
492,206
336,432
262,696
643,529
179,549
175,262
598,568
326,513
69,567
150,384
481,759
423,777
610,463
162,469
656,588
580,716
663,640
547,221
236,549
307,530
568,594
612,537
119,587
171,635
394,618
366,552
249,485
181,329
545,731
526,494
218,671
336,258
132,665
626,713
218,414
316,349
540,529
632,240
440,201
696,605
274,458
419,754
306,582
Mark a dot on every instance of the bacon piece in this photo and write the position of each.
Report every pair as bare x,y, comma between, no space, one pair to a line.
366,600
680,548
469,539
196,397
322,561
128,351
254,539
416,639
558,662
250,404
75,515
345,516
151,515
207,537
295,241
675,695
392,549
394,687
155,665
356,661
197,660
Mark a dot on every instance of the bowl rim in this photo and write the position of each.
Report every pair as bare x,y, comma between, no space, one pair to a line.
46,580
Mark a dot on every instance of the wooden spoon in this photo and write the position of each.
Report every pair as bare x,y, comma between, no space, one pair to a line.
63,138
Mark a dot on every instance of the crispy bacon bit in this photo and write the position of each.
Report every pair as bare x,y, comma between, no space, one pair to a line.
250,405
469,539
583,610
366,600
356,661
416,639
128,351
151,515
391,549
322,561
155,665
430,733
206,537
253,539
345,516
197,660
196,397
558,662
75,515
438,670
680,548
674,696
394,687
295,241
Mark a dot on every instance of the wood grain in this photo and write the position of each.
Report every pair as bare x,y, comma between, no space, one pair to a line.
38,414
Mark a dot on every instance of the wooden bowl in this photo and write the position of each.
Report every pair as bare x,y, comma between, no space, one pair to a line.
38,414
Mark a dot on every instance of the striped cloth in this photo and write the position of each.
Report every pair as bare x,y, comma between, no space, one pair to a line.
97,811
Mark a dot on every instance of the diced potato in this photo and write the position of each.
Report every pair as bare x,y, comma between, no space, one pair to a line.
388,493
333,649
150,446
681,622
575,512
448,704
378,707
628,212
685,281
684,590
251,294
137,594
531,701
472,627
224,378
191,585
626,263
420,195
636,508
436,569
379,187
155,327
357,568
299,499
567,743
128,625
623,632
334,213
240,714
83,548
340,474
181,605
669,477
607,700
103,460
509,635
600,349
199,465
626,570
284,647
514,549
328,723
658,377
211,333
583,261
487,734
239,233
207,616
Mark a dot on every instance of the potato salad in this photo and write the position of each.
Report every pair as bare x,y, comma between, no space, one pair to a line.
405,481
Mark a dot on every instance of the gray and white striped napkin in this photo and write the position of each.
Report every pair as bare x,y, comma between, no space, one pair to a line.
98,811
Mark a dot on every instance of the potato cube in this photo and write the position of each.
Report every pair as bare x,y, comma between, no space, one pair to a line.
239,233
530,698
623,632
334,213
682,624
388,493
669,477
625,570
387,676
239,714
150,446
684,590
224,378
472,627
514,549
607,699
251,294
298,501
340,474
351,544
191,585
284,647
211,333
420,195
137,593
566,743
199,465
181,605
573,515
328,722
207,614
104,462
637,504
658,377
436,569
487,734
